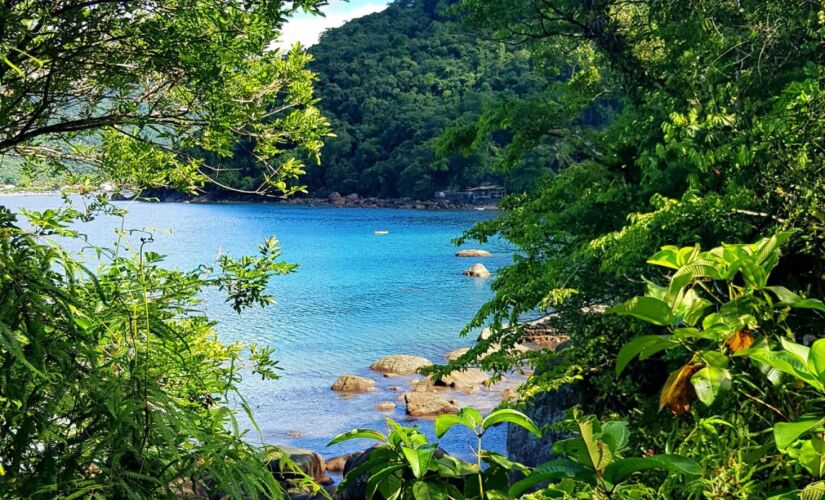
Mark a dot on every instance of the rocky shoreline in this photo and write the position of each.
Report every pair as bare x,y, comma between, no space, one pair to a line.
335,199
421,397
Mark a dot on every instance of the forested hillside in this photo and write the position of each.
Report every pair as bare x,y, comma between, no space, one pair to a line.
390,83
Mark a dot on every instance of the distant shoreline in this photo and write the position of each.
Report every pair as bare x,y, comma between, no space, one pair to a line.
351,201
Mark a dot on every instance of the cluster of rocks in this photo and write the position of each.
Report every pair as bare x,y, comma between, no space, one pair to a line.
353,200
425,398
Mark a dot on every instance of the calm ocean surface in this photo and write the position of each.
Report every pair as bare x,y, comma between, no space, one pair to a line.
355,298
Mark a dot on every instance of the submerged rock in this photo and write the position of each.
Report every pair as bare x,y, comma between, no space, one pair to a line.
473,253
425,404
353,383
477,271
400,364
385,406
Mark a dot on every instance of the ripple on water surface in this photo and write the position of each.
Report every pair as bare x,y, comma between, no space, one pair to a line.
355,297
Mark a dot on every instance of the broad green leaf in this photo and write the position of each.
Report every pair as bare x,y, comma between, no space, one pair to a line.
429,490
714,358
554,469
753,274
685,275
646,309
784,362
649,344
668,257
615,435
814,491
816,360
510,416
691,308
598,454
809,304
619,470
785,433
503,462
359,434
445,422
800,351
783,294
419,460
378,477
710,383
471,415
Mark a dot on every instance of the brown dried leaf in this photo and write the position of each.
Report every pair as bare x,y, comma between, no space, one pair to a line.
678,392
739,341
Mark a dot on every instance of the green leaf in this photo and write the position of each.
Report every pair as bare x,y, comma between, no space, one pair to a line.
646,309
378,477
784,362
714,358
785,433
554,469
816,360
468,417
783,294
646,345
814,491
429,490
753,274
809,304
615,435
510,416
419,460
359,434
710,383
619,470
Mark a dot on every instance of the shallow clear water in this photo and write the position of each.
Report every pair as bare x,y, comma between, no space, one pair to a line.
355,297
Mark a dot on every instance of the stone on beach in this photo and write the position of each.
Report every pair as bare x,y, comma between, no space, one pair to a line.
400,364
353,383
385,406
473,253
425,404
477,271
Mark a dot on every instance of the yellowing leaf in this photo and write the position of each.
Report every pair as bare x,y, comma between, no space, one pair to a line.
678,392
739,341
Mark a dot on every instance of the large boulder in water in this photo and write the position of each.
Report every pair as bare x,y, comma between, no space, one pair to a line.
477,271
473,253
401,364
464,379
353,383
426,404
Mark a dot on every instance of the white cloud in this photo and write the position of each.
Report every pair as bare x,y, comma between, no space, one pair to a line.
307,30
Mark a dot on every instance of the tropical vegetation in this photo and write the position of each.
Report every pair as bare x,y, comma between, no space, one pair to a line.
667,170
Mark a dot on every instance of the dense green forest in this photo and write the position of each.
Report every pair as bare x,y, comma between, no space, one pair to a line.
670,222
390,83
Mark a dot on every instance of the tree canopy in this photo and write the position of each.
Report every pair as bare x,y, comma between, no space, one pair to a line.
125,88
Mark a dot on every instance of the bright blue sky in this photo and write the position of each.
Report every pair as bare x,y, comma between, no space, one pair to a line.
306,29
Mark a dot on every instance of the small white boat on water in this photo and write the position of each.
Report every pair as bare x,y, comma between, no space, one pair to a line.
381,233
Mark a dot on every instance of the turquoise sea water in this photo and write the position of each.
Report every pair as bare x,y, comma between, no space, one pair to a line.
355,297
